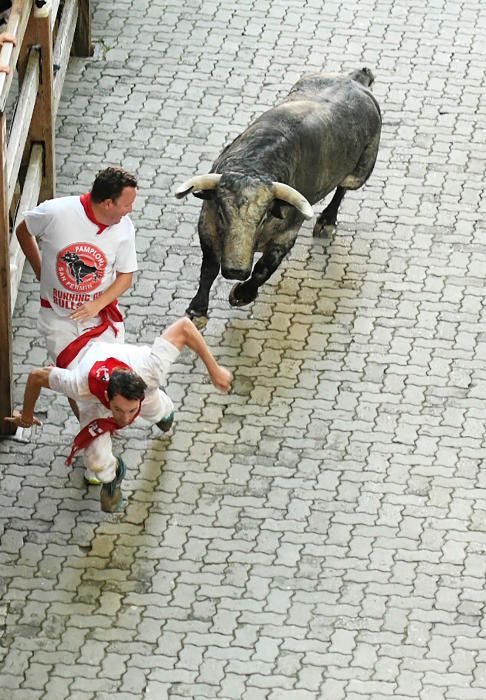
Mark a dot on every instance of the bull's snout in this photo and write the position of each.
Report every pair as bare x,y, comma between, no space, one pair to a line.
235,273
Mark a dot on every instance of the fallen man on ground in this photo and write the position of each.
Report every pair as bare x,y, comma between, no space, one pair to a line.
112,385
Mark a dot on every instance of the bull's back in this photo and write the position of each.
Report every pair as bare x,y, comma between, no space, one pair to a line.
334,89
312,139
338,111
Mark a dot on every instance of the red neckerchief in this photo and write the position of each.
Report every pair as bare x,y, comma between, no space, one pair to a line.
108,315
98,378
88,210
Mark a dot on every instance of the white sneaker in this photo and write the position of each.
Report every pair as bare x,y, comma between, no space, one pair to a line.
91,478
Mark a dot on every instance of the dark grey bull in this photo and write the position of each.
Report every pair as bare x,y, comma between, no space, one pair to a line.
323,136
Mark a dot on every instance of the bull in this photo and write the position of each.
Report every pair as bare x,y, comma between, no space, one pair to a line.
323,136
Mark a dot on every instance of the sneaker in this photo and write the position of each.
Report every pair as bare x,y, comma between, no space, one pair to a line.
165,424
111,495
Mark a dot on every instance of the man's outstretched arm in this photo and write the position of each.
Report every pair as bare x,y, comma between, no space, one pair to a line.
184,333
38,379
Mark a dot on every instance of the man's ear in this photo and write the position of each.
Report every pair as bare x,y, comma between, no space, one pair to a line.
203,194
276,209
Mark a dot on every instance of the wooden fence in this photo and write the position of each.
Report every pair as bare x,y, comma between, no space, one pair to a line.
46,32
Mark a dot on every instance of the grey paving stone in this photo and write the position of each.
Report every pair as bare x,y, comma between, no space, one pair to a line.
319,533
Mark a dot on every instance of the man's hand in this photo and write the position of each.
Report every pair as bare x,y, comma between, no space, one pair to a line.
6,38
23,422
222,378
86,311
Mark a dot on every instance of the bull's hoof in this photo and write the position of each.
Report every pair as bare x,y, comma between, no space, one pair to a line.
199,321
323,230
241,296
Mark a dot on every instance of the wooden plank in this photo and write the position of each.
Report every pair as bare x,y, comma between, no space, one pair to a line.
20,126
16,25
28,200
54,10
82,38
6,375
43,119
62,47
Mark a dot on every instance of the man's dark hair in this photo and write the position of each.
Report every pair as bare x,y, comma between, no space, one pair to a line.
127,384
109,184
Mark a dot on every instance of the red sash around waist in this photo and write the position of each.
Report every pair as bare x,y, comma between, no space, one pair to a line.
109,315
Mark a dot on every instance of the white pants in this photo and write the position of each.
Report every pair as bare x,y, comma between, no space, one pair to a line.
98,457
59,331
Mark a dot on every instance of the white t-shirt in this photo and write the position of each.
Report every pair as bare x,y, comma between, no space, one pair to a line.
78,264
150,363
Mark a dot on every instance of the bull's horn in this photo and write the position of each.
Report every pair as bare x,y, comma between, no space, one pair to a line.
198,182
297,200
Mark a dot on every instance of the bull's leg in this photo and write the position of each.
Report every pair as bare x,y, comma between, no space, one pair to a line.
326,221
364,166
198,308
245,292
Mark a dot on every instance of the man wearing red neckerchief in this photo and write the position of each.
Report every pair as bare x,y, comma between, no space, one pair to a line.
112,385
88,260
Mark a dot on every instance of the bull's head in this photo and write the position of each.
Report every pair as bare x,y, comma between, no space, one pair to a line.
244,205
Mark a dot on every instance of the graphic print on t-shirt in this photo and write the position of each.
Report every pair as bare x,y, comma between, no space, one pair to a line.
102,373
80,267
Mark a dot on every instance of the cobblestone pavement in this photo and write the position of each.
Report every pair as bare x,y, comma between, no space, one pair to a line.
320,532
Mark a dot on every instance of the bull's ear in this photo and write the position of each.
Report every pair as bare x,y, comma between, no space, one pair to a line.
203,194
276,209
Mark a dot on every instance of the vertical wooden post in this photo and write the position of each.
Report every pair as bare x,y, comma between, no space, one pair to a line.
43,120
6,374
82,36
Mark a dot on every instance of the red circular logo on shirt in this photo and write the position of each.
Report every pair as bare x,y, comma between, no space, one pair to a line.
80,267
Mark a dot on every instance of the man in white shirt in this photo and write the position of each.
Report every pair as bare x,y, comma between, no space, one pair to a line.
88,260
112,385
